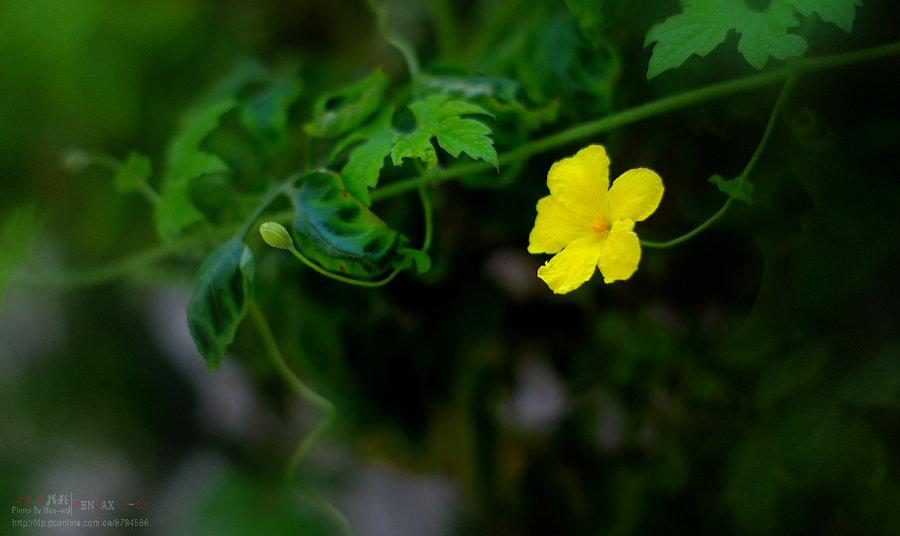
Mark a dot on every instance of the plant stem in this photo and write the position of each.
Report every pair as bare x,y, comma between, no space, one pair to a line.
114,165
444,22
398,42
150,194
310,396
268,199
696,230
770,126
343,279
426,215
641,112
119,268
591,128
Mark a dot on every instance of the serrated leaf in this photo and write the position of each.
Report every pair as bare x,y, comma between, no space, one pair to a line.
266,116
737,189
222,293
415,145
764,34
345,109
134,173
457,135
362,170
839,12
437,116
704,25
186,161
16,235
449,109
341,234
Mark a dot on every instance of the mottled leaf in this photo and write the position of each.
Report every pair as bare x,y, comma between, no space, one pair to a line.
222,292
347,108
341,234
467,87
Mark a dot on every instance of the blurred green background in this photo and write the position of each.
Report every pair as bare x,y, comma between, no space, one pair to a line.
745,382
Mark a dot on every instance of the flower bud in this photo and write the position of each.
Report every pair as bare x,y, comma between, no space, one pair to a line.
276,235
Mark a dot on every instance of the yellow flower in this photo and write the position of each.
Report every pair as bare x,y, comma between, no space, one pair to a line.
586,223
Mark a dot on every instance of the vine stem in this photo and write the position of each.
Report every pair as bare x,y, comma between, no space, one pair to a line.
693,232
310,396
114,165
426,215
754,158
641,112
590,128
445,27
117,269
398,42
343,279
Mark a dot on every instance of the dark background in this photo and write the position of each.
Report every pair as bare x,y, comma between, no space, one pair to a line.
744,382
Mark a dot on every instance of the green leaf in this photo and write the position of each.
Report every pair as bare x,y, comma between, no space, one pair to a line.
341,234
457,135
362,170
221,296
347,108
704,25
437,116
134,173
16,235
839,12
496,95
187,161
765,34
415,145
266,116
737,189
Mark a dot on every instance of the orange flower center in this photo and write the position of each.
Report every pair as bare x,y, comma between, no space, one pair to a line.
599,226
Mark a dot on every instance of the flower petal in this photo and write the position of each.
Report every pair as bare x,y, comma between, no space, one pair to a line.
620,252
635,194
572,266
580,182
555,226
